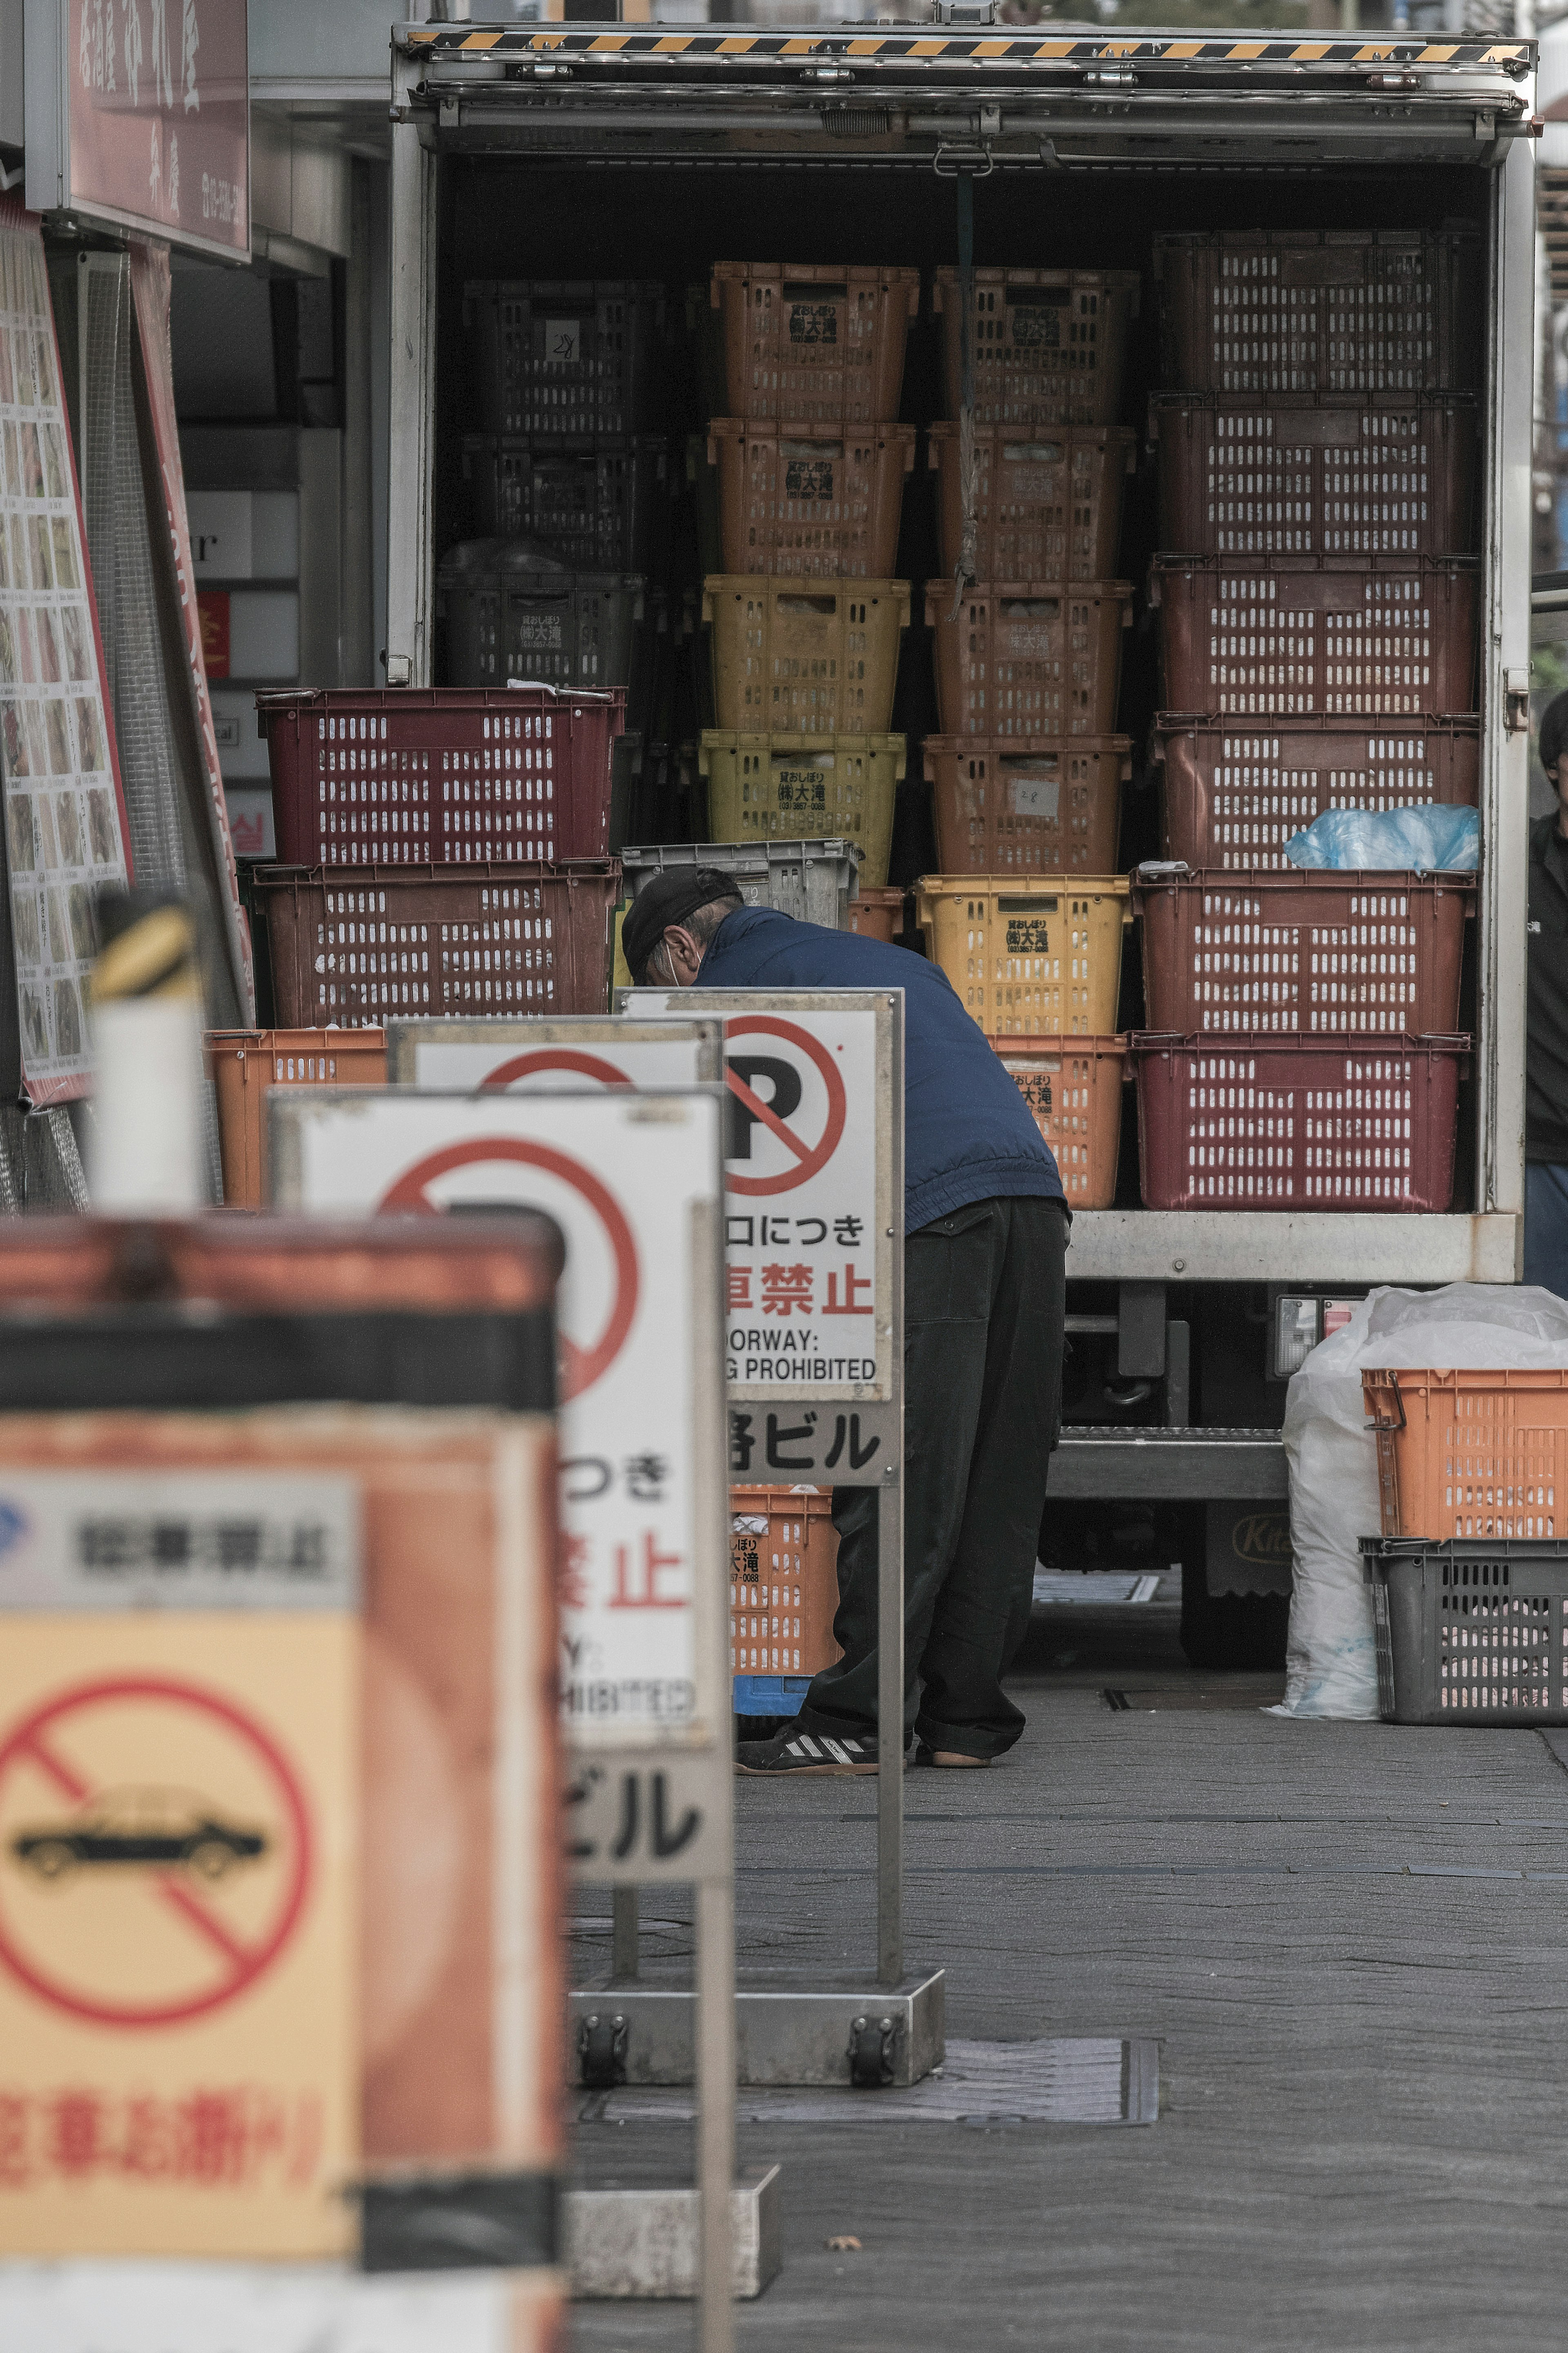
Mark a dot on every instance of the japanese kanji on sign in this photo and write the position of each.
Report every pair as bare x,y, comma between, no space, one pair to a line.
633,1181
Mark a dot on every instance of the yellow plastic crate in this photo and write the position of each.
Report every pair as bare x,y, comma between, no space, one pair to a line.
1031,955
794,788
819,655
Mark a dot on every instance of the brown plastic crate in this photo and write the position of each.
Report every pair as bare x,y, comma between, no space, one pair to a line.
246,1064
1471,1454
1029,658
1027,805
1245,1123
1280,635
1292,473
877,914
1073,1087
1048,346
1048,508
822,344
1232,794
431,774
1278,954
784,1581
395,942
1322,310
796,498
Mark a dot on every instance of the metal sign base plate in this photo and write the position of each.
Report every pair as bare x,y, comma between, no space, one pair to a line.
788,2029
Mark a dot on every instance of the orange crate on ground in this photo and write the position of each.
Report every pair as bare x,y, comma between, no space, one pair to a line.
877,915
814,341
245,1063
1073,1087
1027,805
799,498
784,1580
1047,347
1471,1454
1049,507
1029,658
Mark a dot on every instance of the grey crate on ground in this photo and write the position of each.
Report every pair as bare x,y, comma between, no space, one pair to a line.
812,880
1469,1632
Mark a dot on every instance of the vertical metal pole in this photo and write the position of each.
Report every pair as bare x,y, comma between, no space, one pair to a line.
624,1934
890,1562
411,434
890,1731
715,2113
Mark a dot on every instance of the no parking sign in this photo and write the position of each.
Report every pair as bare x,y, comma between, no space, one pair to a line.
812,1227
633,1181
573,1055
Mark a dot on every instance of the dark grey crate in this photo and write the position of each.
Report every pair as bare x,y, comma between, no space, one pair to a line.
601,502
564,355
513,610
1469,1632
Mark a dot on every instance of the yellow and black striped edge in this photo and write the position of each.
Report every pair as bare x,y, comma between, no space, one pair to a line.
1014,47
155,957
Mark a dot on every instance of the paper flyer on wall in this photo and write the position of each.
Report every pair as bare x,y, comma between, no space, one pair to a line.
65,824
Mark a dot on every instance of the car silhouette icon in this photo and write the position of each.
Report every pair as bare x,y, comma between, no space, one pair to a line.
143,1826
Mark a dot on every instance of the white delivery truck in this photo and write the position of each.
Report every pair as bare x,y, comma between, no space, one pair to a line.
652,150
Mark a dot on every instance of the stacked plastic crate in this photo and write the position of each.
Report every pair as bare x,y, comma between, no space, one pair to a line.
1317,473
1027,915
567,482
802,617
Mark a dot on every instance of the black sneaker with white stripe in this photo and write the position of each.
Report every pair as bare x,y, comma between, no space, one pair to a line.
806,1752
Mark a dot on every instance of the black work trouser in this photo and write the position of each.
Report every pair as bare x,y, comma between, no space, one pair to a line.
985,1291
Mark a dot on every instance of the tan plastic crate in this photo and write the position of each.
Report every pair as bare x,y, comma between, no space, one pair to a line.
1049,345
1073,1087
784,1581
1030,956
799,500
1029,658
814,655
822,342
247,1063
1468,1454
780,787
1047,506
1027,805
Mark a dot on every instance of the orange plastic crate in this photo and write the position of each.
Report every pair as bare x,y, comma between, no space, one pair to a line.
877,914
247,1063
1073,1087
784,1581
1468,1454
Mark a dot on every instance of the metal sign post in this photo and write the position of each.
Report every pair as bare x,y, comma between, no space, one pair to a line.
814,1202
634,1180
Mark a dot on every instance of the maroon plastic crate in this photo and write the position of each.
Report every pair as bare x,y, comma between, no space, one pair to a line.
420,776
1310,953
1288,634
356,950
1292,473
1233,792
1322,310
1250,1123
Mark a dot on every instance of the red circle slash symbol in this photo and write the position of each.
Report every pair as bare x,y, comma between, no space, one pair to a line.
581,1366
811,1158
37,1741
556,1058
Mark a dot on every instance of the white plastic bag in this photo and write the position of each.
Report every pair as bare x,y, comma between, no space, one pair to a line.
1331,1661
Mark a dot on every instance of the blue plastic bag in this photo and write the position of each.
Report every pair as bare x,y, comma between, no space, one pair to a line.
1430,840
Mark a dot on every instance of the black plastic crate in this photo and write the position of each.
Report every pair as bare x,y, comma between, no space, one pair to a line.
1469,1632
564,355
601,503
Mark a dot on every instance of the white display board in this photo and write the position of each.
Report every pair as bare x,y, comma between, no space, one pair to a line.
633,1182
574,1055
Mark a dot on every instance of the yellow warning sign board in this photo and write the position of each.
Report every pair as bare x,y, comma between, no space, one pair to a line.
178,1835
